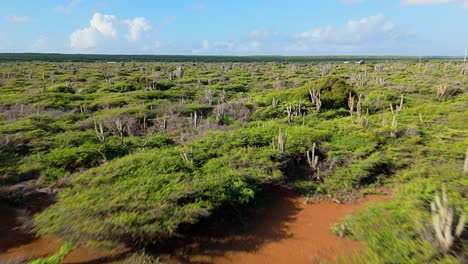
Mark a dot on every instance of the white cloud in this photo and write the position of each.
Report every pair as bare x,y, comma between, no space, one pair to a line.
464,3
227,47
18,19
104,24
66,9
137,26
106,33
83,39
374,31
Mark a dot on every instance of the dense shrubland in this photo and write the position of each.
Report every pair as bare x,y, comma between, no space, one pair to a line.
138,150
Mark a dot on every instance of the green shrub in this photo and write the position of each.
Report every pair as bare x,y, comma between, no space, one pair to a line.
84,156
335,92
62,89
119,88
147,196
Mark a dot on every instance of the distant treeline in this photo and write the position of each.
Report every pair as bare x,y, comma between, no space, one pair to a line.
55,57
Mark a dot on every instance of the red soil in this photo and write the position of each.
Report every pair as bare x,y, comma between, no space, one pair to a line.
289,231
44,247
17,246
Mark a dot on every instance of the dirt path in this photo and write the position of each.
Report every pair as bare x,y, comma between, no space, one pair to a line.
18,246
289,231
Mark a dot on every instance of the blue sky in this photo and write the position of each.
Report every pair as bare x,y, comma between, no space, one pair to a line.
242,27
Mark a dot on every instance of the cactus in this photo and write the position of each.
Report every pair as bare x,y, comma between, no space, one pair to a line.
280,143
316,99
289,111
441,91
195,119
187,156
351,106
120,129
99,132
359,110
395,110
312,159
274,102
442,220
101,136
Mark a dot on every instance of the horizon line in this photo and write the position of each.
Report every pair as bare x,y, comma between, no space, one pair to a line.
227,55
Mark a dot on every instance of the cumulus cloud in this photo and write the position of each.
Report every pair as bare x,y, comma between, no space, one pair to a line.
101,27
227,47
464,3
137,27
18,19
108,32
373,31
83,39
105,24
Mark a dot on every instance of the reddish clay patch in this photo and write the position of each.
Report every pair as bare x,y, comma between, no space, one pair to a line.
17,246
290,231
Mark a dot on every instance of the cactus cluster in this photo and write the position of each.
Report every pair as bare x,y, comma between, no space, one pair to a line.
442,221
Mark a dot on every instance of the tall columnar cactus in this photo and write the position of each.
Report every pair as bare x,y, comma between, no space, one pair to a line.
289,111
274,102
351,106
395,111
120,129
316,98
312,159
280,143
441,91
442,221
359,110
99,132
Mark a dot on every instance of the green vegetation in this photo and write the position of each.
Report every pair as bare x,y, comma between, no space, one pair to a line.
141,150
57,257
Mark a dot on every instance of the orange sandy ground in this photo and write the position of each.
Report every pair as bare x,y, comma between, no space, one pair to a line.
289,231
